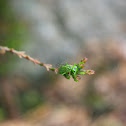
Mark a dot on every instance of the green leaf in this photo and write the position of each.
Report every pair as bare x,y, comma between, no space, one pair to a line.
81,72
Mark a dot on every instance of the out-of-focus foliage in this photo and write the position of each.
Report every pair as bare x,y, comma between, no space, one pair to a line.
12,33
2,114
30,99
12,30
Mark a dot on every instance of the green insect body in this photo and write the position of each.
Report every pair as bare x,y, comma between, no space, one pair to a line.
68,70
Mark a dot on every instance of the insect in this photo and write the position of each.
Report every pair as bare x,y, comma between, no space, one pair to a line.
68,70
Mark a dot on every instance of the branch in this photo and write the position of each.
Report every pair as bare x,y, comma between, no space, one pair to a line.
21,54
67,70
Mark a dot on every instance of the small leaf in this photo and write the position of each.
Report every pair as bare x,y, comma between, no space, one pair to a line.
81,72
81,63
89,72
63,63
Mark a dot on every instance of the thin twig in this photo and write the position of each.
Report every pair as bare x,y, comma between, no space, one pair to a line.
21,54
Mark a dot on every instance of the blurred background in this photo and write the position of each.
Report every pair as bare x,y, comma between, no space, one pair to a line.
55,31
